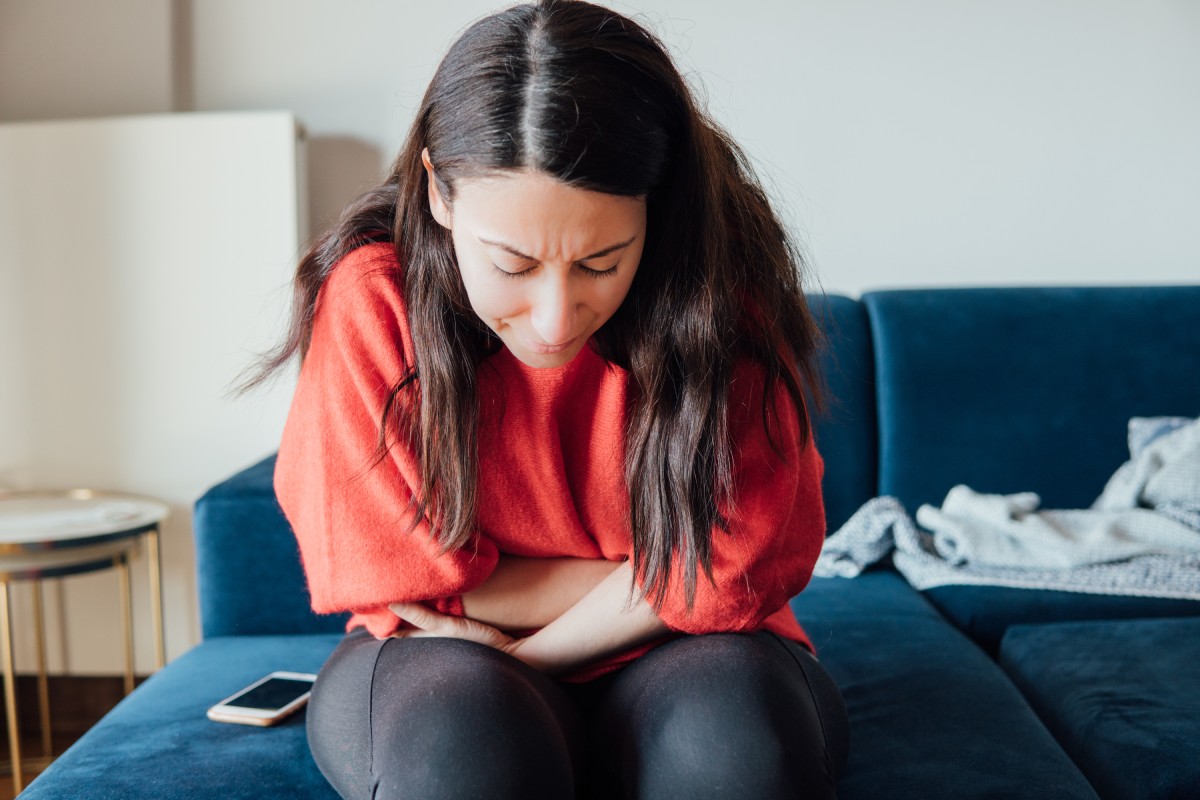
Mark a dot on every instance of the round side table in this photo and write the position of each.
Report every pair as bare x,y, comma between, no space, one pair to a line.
51,534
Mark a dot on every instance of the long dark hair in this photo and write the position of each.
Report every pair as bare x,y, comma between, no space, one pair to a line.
581,93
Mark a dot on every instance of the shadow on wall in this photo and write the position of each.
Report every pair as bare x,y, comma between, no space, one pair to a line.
340,168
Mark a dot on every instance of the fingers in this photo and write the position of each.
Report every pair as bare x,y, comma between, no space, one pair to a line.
415,613
424,621
430,623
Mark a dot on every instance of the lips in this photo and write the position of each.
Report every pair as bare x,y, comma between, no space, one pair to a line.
549,349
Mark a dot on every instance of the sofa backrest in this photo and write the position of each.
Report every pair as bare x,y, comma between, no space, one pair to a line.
846,434
1025,389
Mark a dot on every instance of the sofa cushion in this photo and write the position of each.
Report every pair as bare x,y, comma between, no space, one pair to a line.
930,714
158,742
1122,697
845,434
879,589
1025,389
248,564
985,612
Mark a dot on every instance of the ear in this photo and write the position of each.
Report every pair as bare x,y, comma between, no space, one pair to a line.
438,207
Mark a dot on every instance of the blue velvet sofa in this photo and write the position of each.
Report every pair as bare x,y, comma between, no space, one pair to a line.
958,692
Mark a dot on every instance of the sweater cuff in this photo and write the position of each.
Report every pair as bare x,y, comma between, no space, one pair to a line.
380,623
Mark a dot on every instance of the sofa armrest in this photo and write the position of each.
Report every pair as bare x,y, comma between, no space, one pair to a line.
247,563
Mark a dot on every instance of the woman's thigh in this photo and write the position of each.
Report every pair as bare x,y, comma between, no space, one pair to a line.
720,715
434,717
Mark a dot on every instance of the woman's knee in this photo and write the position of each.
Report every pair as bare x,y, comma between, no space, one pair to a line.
450,718
719,716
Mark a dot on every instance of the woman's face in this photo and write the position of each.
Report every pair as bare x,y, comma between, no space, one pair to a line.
544,264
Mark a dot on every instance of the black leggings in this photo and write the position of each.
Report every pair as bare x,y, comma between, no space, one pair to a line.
721,715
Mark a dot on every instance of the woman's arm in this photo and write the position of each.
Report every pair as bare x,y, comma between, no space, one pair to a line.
524,593
603,622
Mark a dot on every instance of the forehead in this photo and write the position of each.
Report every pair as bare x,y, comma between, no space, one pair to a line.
543,217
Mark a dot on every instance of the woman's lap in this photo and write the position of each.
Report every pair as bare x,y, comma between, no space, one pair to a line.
722,715
432,717
745,715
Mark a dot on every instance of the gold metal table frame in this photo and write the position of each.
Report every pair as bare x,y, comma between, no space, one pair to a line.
35,559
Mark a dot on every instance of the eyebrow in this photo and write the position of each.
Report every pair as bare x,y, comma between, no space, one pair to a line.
509,248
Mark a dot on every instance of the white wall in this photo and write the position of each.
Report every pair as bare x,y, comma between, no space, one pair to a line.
912,143
155,253
928,142
15,413
66,58
73,58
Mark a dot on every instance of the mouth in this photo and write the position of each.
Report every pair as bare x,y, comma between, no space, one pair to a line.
548,349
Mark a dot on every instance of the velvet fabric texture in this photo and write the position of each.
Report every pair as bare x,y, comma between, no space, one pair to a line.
1123,699
930,714
158,743
985,612
846,434
1025,389
248,569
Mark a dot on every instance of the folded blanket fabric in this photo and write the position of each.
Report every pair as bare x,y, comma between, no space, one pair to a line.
1163,471
882,526
990,530
1116,547
865,538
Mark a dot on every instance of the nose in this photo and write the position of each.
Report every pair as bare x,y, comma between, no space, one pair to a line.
552,313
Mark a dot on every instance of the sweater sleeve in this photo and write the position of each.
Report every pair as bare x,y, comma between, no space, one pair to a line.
777,525
350,514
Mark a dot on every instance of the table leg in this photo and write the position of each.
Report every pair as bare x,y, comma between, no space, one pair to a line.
10,688
122,565
156,610
43,685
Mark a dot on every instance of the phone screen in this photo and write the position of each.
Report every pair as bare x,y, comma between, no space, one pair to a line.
274,693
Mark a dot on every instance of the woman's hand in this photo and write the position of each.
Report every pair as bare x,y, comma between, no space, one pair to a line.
427,622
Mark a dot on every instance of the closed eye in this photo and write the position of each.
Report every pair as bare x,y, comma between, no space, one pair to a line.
587,271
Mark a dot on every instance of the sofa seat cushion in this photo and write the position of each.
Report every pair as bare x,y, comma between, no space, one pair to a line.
930,713
985,612
878,588
158,743
1123,698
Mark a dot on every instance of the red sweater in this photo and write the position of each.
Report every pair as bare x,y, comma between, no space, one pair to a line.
551,481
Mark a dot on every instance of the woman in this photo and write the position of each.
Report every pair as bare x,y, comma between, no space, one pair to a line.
550,444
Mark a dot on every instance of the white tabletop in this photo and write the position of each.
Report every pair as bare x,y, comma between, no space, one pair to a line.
41,520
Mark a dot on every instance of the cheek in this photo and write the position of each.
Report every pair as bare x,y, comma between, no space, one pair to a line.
609,301
490,295
619,294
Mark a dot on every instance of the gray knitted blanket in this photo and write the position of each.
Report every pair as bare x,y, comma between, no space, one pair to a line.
1141,536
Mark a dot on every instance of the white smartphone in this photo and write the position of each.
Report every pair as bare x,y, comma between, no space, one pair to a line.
266,701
